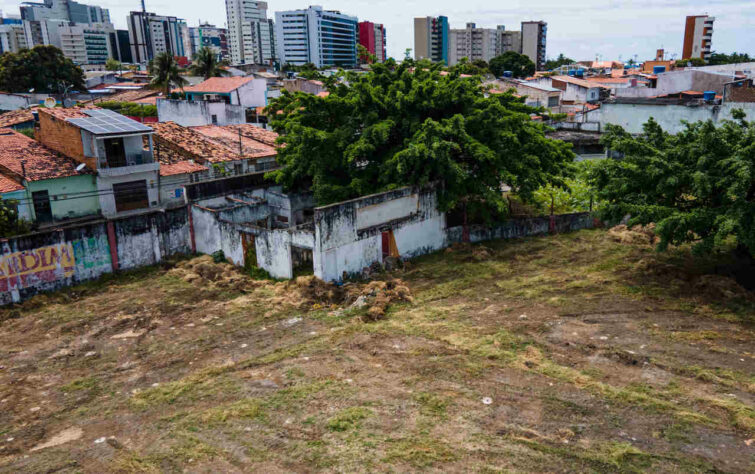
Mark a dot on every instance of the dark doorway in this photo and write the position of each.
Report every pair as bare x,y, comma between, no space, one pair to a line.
131,195
42,207
302,261
115,152
390,249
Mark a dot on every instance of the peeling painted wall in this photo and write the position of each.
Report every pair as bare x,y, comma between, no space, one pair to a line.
49,261
212,234
517,228
348,235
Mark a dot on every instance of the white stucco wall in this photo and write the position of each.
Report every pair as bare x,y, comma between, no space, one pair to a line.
196,114
105,186
13,102
251,94
670,117
212,234
348,236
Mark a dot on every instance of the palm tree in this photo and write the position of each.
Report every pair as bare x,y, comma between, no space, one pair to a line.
165,73
206,64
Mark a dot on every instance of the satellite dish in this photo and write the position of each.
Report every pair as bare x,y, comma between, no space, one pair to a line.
81,167
67,103
50,102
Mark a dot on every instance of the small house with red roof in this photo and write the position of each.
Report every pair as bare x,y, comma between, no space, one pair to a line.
48,186
248,92
109,145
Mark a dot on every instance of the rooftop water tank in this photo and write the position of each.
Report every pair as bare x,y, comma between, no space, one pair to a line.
659,69
508,74
709,96
572,72
580,73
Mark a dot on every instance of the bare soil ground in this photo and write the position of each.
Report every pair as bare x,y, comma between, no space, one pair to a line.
571,353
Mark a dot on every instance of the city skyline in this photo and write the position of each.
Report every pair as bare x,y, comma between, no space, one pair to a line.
594,28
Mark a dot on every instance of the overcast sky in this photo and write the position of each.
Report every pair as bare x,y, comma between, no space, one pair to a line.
580,29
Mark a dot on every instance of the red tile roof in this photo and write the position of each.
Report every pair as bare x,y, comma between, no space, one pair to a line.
40,162
9,185
127,96
186,143
219,85
608,80
228,136
15,117
180,167
577,81
268,137
62,114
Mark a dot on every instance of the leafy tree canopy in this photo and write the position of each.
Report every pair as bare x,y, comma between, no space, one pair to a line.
695,62
113,65
478,67
42,68
717,59
519,64
697,186
409,124
561,60
10,224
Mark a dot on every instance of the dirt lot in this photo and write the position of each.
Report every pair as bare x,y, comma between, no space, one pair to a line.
573,353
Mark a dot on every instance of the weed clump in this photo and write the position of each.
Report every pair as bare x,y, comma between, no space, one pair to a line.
637,235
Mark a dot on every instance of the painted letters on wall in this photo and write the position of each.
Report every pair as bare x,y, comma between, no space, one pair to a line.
41,265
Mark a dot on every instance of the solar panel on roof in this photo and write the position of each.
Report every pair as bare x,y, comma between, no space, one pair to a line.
105,122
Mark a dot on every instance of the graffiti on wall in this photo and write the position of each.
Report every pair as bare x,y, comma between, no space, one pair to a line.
91,253
41,265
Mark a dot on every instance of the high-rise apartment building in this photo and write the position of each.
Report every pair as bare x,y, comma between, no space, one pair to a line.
12,37
321,37
372,37
472,43
64,10
122,49
251,35
431,38
87,44
507,40
534,35
210,36
698,37
151,34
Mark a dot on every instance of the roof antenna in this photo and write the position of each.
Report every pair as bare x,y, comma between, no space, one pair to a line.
144,8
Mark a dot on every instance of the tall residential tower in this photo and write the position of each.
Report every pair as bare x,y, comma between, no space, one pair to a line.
372,37
534,35
698,37
431,38
321,37
251,35
472,43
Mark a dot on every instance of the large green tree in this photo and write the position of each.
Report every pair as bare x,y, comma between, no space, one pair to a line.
10,224
561,60
42,68
697,186
519,64
165,73
410,124
207,65
694,62
716,59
